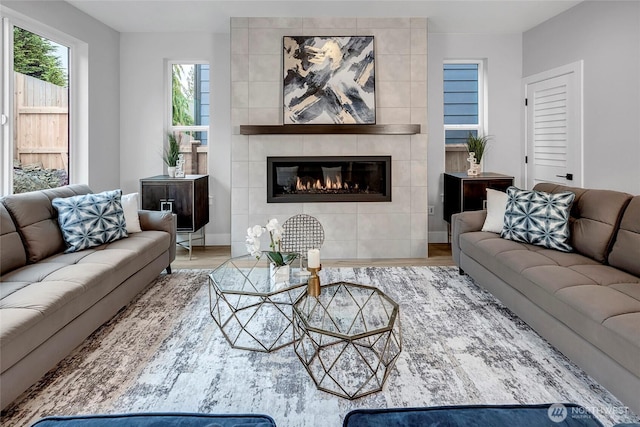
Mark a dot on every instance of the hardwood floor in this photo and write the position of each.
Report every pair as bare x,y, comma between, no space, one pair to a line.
206,257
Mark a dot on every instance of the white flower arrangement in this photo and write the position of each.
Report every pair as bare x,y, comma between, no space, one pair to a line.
275,236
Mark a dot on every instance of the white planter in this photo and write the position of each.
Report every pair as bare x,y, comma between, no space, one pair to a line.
171,170
279,275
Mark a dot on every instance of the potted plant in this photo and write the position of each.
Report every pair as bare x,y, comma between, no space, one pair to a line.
171,154
476,146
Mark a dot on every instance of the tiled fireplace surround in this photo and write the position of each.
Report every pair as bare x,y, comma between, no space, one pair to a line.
396,229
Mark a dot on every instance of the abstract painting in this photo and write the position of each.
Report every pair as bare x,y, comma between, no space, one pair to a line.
329,80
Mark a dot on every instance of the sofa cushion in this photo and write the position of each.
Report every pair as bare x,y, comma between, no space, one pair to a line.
560,414
12,254
37,220
538,217
625,253
90,220
159,419
595,216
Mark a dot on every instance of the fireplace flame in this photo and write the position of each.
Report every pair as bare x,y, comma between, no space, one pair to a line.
329,184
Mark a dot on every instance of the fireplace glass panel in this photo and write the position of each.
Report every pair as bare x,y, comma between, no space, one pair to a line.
329,179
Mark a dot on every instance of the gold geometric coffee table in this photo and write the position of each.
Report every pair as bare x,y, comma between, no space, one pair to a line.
348,338
253,313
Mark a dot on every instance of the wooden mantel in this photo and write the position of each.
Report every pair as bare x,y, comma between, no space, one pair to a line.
350,129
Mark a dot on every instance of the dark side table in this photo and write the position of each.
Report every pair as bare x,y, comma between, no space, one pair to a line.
463,192
186,197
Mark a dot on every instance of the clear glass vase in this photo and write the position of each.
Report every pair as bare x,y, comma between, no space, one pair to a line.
279,274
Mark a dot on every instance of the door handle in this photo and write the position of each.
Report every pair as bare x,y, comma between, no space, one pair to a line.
568,177
166,205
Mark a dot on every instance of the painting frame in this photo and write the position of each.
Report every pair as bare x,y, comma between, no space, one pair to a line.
328,80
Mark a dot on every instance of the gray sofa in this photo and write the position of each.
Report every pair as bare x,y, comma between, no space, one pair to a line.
51,300
586,303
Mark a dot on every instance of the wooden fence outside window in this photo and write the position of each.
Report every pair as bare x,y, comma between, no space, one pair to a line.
41,132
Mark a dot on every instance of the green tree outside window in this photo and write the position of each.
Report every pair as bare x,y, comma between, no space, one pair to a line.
35,56
182,97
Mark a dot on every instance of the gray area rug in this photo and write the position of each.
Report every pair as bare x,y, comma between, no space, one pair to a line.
164,353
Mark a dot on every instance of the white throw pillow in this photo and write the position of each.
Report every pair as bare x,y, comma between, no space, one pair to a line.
496,206
130,208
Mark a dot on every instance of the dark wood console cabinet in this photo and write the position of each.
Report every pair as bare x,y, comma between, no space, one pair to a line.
187,197
463,192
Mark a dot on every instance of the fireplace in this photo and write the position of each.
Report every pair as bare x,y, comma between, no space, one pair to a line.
329,179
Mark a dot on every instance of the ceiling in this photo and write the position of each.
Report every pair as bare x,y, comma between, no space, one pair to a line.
449,16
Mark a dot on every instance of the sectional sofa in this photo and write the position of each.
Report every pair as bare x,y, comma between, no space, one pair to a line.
585,302
52,300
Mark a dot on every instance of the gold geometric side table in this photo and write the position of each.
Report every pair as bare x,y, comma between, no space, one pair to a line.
348,338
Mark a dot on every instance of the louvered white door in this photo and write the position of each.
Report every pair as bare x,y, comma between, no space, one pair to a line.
553,134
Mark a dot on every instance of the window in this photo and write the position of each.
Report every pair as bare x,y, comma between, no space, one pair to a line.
189,113
44,140
463,100
41,112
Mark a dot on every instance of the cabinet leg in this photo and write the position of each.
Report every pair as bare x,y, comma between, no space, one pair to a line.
168,269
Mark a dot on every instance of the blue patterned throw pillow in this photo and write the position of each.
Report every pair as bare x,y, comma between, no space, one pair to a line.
90,220
538,218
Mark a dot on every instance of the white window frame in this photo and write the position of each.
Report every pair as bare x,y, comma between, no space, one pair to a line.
78,74
6,107
482,126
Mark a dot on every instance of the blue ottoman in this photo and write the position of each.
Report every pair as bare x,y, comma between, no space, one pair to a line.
556,415
159,419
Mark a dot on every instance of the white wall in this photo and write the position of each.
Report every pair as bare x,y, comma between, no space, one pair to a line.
503,55
143,110
606,35
103,156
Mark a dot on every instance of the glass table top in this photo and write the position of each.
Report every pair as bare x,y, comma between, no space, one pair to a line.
250,276
347,310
